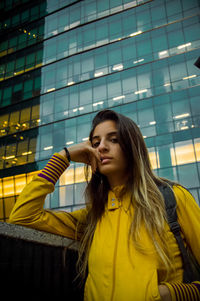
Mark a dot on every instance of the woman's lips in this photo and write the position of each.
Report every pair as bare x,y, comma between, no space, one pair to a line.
105,160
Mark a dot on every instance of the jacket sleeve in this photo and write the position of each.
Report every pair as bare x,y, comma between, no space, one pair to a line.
28,210
189,219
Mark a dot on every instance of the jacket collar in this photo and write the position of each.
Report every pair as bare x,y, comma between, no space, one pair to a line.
115,200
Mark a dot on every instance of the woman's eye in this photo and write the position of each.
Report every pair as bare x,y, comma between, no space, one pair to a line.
95,144
114,140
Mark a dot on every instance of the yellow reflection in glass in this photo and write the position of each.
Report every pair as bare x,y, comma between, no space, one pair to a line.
8,186
154,159
185,154
173,157
1,187
197,148
79,174
1,209
67,177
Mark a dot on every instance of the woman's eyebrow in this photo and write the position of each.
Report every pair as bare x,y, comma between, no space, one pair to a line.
107,135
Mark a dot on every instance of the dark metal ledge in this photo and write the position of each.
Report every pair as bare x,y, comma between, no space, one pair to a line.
36,265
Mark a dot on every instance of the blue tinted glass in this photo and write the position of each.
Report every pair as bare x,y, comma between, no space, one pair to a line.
146,117
164,154
163,113
181,107
158,12
129,82
99,89
195,105
188,175
85,94
55,198
79,193
169,173
178,68
114,86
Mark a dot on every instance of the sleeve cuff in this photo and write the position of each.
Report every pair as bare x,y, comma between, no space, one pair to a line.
184,291
54,168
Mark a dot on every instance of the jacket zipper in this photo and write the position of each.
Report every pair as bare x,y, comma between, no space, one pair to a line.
115,255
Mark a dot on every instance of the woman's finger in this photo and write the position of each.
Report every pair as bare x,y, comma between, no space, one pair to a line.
93,161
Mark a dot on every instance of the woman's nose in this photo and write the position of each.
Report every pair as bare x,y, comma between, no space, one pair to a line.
102,146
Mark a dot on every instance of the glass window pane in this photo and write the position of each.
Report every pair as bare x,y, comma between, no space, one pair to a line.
66,194
188,175
25,115
144,77
129,83
184,151
85,94
87,63
20,63
146,117
83,131
144,47
159,43
79,193
70,135
168,173
28,85
30,59
79,173
8,186
74,96
114,86
181,109
161,76
22,148
55,198
10,66
1,210
14,119
197,148
177,69
163,113
1,187
68,176
166,155
158,13
99,89
102,32
114,56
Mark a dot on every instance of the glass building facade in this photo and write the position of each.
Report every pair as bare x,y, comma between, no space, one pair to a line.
62,61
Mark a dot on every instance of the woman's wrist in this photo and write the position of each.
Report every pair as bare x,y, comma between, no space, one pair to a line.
67,154
164,293
63,153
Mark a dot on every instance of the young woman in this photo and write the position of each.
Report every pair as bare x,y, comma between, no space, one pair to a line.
124,236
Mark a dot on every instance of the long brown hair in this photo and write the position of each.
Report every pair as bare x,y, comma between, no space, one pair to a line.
142,185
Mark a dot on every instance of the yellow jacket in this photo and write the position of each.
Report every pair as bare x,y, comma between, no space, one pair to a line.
116,272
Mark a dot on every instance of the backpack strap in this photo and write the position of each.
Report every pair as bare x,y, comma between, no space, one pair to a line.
170,205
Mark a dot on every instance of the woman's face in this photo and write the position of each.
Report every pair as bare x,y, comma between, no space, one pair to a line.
113,162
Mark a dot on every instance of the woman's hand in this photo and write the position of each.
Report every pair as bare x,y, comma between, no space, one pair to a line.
164,293
83,153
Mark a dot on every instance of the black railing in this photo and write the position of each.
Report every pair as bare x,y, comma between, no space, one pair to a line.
35,265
